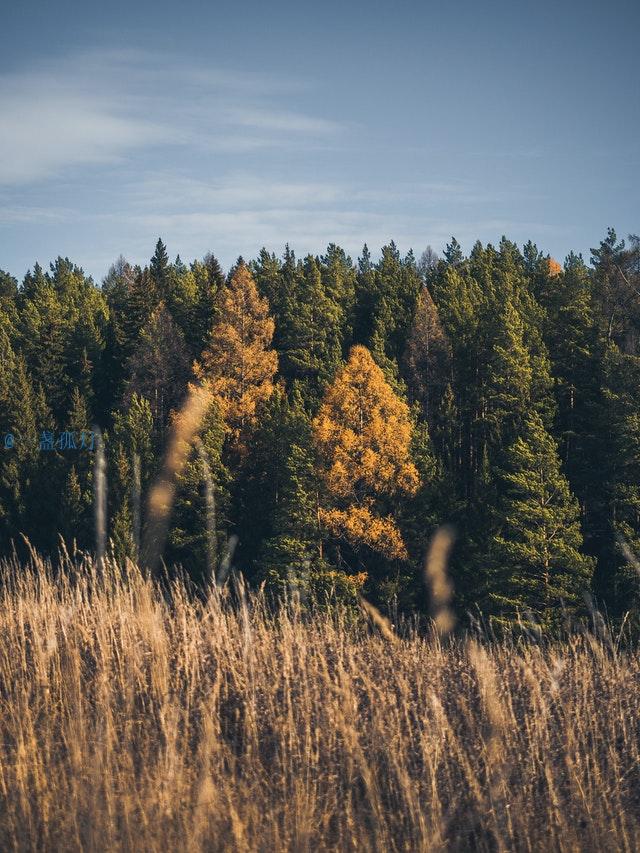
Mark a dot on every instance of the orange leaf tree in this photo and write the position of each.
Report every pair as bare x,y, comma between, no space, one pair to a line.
238,364
362,435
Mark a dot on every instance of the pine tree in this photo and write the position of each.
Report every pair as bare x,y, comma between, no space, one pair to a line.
76,516
397,289
19,469
267,271
132,465
159,269
311,330
181,291
339,281
159,368
453,253
270,502
9,298
427,357
536,562
199,521
626,517
42,332
209,280
291,559
509,381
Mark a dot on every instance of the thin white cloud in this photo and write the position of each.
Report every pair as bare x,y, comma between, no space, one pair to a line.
32,214
42,133
101,107
280,121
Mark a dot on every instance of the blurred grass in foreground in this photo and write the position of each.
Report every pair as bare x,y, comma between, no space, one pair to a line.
140,718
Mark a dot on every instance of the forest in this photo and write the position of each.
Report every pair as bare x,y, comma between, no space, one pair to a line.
353,409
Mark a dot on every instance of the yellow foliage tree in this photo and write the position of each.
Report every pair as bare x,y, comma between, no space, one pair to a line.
362,435
554,267
238,364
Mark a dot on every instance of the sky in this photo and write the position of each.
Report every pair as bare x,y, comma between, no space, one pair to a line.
228,126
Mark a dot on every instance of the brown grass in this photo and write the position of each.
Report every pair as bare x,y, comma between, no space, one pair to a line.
136,720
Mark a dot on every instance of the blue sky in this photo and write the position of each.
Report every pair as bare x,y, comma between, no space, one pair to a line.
228,126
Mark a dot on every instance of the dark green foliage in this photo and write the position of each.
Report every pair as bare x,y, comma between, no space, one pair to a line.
200,523
159,368
278,499
536,566
209,278
523,378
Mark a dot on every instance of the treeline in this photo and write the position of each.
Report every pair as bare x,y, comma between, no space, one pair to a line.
355,408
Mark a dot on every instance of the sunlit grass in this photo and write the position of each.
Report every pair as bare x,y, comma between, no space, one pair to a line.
138,719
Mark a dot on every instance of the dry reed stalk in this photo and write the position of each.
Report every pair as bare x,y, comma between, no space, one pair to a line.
380,622
186,424
438,581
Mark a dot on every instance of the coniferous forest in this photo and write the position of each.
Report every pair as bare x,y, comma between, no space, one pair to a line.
356,406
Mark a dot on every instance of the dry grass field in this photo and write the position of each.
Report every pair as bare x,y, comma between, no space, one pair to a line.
135,719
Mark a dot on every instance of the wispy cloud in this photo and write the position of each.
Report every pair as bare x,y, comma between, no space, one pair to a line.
100,107
241,212
103,151
32,214
287,122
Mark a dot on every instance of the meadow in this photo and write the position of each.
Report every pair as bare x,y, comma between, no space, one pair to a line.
137,716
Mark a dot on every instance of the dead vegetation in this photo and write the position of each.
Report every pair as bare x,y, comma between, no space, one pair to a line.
138,719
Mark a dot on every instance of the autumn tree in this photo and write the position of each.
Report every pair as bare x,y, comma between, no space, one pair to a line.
362,434
238,363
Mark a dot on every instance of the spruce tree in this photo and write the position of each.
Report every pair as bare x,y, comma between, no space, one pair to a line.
209,279
159,368
426,361
508,390
311,330
132,465
159,269
200,516
536,565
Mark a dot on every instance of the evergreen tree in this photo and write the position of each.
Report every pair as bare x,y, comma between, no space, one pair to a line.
209,280
132,466
20,410
76,517
427,357
277,499
453,254
617,290
536,562
159,270
510,377
159,368
311,330
199,522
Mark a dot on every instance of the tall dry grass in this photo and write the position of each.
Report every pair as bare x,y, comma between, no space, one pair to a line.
133,718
